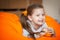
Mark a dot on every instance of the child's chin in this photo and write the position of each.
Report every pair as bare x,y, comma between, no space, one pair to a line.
41,24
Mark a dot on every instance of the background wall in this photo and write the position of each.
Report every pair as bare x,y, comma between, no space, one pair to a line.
52,7
17,4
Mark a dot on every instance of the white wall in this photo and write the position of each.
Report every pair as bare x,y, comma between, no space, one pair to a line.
52,7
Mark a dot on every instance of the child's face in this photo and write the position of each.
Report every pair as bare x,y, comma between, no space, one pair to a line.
38,16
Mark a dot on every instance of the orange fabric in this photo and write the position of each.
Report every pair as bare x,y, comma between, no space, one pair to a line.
9,26
11,29
52,23
59,24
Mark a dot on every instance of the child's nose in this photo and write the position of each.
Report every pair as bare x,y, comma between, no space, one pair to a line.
41,16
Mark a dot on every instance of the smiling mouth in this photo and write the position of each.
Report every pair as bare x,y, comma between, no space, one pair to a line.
40,20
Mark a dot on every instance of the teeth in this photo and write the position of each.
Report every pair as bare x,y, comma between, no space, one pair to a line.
40,20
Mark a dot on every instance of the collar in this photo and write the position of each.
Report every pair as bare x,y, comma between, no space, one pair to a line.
38,30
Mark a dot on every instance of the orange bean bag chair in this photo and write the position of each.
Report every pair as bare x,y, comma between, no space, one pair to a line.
11,28
59,24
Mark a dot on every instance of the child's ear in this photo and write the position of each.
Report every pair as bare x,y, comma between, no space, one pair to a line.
29,17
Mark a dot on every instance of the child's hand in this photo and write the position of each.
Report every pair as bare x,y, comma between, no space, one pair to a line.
50,32
47,32
43,32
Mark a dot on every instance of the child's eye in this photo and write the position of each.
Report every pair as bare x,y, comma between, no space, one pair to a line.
43,14
37,15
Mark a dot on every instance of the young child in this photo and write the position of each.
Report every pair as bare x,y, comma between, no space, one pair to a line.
33,23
